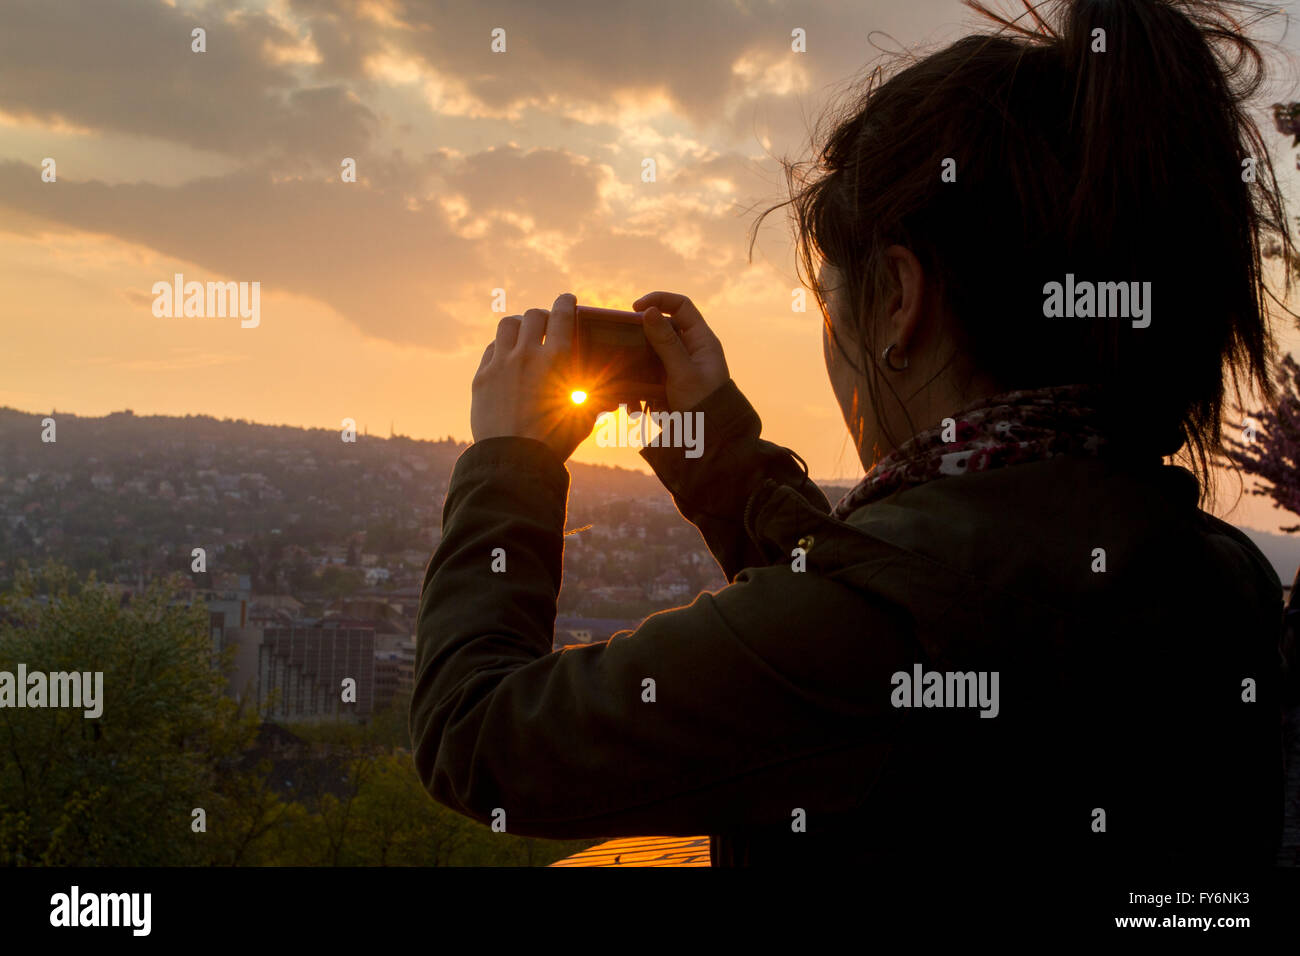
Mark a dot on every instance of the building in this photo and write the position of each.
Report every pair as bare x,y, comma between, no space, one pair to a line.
302,670
226,610
587,630
394,668
670,586
242,682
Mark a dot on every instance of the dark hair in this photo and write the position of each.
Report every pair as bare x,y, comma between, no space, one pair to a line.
1122,165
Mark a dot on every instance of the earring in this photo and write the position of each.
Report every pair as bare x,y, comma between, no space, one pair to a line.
889,366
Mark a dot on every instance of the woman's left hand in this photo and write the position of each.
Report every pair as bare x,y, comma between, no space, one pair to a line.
520,388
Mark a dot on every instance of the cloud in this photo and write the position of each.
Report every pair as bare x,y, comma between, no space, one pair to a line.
412,251
583,59
399,268
126,66
305,79
385,267
554,188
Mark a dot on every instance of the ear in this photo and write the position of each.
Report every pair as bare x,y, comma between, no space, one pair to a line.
903,315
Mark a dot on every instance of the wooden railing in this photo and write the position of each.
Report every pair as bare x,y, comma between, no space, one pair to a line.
643,851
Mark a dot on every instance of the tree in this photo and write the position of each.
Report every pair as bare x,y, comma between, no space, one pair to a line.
340,582
1270,449
257,825
382,816
337,813
118,789
396,824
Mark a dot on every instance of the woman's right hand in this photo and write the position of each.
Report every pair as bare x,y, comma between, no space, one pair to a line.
692,355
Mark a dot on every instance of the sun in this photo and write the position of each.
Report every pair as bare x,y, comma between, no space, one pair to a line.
578,396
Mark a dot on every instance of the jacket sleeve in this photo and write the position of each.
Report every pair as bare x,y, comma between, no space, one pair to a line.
707,717
713,492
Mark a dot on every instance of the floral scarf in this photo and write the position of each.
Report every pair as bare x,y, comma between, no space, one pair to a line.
1006,429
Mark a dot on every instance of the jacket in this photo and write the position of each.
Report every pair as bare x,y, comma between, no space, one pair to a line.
1126,642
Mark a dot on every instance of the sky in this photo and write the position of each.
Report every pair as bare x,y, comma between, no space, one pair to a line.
476,171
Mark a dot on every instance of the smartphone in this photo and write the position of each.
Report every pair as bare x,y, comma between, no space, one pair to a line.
613,361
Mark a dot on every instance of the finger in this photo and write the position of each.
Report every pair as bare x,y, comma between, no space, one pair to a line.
604,399
664,340
487,356
580,416
531,329
685,314
572,428
559,326
507,333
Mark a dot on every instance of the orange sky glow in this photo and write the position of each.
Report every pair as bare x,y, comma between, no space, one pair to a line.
476,171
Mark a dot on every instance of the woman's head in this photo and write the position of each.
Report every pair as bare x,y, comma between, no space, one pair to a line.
930,373
1107,140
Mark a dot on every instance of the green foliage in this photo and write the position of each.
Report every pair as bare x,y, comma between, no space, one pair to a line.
120,789
341,582
1273,456
384,817
387,730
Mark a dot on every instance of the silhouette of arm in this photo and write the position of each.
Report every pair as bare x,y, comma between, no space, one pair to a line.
713,491
711,716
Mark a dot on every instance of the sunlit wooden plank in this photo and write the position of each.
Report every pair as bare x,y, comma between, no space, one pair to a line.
643,851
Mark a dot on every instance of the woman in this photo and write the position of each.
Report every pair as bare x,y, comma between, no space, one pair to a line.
1019,634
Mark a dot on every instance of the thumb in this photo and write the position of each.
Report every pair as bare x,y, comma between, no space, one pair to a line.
661,335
